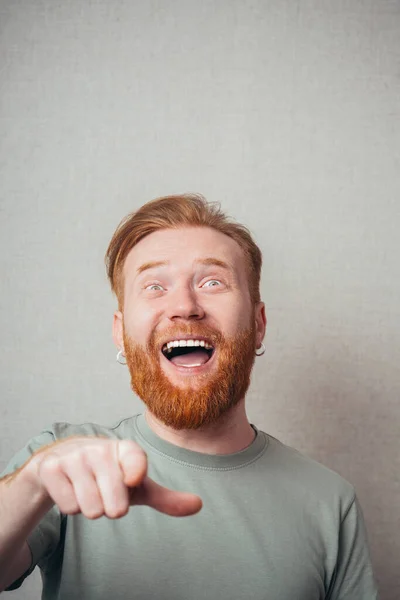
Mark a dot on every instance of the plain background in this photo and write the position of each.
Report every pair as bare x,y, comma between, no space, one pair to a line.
286,112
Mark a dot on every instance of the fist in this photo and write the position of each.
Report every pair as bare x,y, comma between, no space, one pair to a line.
99,477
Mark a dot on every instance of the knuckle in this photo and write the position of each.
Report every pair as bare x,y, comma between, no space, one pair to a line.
101,452
70,462
50,465
129,447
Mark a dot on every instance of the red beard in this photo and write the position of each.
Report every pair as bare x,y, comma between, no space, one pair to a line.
205,399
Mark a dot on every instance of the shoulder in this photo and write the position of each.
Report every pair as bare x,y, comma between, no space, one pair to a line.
122,429
307,479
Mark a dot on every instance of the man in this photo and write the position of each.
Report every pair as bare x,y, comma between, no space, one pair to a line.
263,521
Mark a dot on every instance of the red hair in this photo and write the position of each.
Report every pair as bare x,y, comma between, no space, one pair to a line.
173,212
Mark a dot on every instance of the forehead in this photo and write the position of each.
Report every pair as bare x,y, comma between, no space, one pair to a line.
181,247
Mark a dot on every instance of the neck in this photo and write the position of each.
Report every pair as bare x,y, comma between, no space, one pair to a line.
230,434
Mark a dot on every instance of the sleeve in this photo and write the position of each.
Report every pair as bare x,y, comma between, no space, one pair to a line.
44,539
353,577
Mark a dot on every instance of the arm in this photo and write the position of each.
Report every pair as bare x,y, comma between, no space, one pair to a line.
20,566
94,476
353,577
23,503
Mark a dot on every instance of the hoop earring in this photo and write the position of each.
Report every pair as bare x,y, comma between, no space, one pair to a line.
121,358
262,348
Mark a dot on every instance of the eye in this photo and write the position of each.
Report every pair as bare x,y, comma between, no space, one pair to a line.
154,287
212,283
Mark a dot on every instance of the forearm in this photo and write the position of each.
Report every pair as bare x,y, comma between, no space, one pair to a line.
23,503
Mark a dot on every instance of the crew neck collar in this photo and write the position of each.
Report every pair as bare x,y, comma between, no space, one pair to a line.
199,459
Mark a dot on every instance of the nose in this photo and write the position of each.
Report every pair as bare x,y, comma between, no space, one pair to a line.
184,304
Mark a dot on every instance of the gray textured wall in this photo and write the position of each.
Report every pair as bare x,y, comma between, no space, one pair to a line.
288,113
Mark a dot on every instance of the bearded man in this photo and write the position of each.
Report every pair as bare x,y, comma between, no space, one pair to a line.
263,521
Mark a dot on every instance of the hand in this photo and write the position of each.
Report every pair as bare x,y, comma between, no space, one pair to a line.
98,476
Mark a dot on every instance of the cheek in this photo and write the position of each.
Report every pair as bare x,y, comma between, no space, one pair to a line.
139,323
244,315
235,317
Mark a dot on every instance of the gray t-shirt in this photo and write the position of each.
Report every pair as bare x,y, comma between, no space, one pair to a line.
275,525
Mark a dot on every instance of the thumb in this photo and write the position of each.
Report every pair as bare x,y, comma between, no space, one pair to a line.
170,502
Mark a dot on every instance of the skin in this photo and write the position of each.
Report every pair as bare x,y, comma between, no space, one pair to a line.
99,476
183,291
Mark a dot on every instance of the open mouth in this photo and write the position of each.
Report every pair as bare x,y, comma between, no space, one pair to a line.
188,353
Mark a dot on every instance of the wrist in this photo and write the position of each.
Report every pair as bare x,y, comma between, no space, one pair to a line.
28,475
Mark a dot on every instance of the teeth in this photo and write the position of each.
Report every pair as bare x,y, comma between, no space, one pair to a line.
186,343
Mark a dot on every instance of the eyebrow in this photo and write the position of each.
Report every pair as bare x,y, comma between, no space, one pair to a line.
151,265
216,262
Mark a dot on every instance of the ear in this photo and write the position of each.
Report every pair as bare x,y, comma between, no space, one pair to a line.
118,330
261,322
